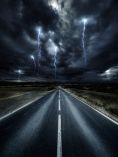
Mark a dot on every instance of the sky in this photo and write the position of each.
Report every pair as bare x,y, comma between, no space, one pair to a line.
63,40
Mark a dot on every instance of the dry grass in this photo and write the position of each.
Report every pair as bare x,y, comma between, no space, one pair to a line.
13,97
9,91
104,101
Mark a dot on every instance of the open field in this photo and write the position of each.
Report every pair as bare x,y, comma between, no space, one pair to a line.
10,89
15,96
103,98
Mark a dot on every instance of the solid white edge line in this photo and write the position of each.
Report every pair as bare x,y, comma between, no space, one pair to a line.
76,97
59,140
27,104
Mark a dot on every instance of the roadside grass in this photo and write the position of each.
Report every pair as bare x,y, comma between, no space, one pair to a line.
14,97
9,91
105,102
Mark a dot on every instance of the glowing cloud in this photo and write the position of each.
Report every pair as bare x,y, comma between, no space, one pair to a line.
55,5
110,73
19,71
84,21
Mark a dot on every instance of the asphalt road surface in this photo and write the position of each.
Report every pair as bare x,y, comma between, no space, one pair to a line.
58,125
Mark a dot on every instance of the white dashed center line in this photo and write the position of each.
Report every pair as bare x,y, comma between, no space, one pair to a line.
59,135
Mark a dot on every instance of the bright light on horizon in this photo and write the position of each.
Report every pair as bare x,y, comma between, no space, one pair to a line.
19,71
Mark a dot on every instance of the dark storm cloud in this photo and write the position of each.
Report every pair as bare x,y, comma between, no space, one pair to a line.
101,36
18,20
59,22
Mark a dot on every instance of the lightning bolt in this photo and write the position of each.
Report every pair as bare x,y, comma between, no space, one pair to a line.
33,59
55,64
39,30
39,45
83,40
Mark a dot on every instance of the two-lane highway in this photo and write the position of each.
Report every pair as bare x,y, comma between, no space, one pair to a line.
58,125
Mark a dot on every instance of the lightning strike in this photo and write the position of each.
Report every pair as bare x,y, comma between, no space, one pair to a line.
40,35
34,62
55,62
84,22
53,50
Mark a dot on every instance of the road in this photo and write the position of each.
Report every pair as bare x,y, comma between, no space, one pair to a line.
58,125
